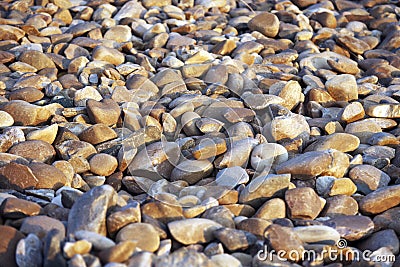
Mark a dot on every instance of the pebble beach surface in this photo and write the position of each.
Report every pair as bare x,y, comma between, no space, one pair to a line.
199,133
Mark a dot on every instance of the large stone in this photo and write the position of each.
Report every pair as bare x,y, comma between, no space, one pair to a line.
37,59
342,87
29,251
340,141
351,227
380,200
89,211
15,208
328,162
193,231
368,178
107,54
17,176
144,233
265,23
25,113
284,239
107,111
303,203
234,239
8,244
265,187
320,234
48,176
41,226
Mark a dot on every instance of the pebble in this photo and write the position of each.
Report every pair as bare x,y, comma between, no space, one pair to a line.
340,205
303,203
212,127
368,178
106,111
290,242
316,163
319,234
6,119
340,141
103,164
28,251
143,234
342,87
41,226
94,203
18,208
351,227
264,187
8,245
118,253
47,134
380,200
234,239
187,231
265,23
385,238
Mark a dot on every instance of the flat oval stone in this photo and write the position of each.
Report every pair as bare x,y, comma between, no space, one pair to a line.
163,211
18,208
34,150
193,231
103,164
237,154
255,226
37,59
232,176
380,200
47,134
320,234
385,238
272,209
340,141
107,54
48,176
118,253
144,234
28,94
389,111
340,205
316,163
266,156
387,220
351,227
73,148
191,171
25,113
363,129
264,187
